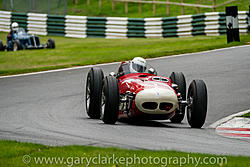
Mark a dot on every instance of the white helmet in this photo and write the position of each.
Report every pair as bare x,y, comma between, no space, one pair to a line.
138,64
14,26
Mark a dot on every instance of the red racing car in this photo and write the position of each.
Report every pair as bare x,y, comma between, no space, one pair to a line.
137,92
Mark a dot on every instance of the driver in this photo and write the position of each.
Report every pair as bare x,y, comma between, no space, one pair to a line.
14,28
138,64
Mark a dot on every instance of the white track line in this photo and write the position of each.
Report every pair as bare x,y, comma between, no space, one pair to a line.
57,70
223,120
233,131
88,66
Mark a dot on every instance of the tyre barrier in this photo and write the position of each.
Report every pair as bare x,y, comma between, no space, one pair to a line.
211,24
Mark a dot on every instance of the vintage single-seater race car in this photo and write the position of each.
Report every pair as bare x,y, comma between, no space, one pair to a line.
21,40
145,96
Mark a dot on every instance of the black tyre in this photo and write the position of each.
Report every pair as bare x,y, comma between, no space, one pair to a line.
179,79
17,45
1,46
110,100
197,103
51,43
94,93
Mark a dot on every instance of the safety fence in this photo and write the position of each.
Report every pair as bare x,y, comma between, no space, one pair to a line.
212,23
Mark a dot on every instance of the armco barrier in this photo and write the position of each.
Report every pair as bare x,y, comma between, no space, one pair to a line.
37,23
116,27
212,23
56,25
5,21
21,18
75,26
96,26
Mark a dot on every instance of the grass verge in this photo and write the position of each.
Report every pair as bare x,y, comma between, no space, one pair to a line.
82,8
246,115
76,52
27,154
147,9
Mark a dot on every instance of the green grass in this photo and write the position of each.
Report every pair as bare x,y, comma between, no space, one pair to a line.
246,115
93,9
13,154
75,52
106,10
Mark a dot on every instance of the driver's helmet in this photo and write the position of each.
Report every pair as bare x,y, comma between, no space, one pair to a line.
14,26
138,64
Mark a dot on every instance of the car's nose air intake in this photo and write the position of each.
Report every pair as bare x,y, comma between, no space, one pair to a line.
150,105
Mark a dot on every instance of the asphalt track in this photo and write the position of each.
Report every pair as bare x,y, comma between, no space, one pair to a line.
49,108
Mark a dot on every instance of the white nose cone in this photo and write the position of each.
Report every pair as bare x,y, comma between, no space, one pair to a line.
156,101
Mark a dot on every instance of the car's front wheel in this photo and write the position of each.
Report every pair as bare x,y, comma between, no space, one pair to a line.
179,79
17,45
51,43
110,100
94,92
197,103
1,46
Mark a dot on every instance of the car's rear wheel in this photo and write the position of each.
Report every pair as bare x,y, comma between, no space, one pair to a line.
1,46
17,45
94,92
51,43
197,103
179,79
110,100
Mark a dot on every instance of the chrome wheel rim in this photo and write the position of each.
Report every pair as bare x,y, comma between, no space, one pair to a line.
88,94
15,47
102,104
190,107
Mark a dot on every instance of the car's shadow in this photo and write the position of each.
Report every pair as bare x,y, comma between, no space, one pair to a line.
152,123
147,123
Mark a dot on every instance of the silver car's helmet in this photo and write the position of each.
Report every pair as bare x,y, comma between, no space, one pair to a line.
14,26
